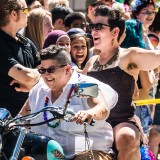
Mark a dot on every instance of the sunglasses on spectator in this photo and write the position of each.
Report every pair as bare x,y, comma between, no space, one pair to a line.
25,10
50,69
97,26
148,12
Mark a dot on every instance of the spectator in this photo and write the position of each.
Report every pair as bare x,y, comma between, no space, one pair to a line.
59,38
154,31
75,20
90,7
33,4
53,3
58,15
80,53
39,26
17,58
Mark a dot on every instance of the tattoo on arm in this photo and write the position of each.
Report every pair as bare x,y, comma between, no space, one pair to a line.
19,68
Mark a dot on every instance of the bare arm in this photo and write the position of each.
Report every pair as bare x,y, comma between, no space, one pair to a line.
99,107
98,110
23,75
136,92
146,80
144,59
25,109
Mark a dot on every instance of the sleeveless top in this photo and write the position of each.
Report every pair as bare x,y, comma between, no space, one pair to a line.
123,84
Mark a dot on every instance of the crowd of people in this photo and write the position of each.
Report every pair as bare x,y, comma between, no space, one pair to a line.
47,47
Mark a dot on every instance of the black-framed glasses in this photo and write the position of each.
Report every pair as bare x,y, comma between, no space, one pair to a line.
51,69
97,26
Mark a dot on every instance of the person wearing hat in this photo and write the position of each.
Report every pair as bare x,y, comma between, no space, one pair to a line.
59,38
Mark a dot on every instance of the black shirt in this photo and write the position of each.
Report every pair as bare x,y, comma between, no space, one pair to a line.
12,51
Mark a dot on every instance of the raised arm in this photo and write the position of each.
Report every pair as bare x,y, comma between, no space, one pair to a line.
144,59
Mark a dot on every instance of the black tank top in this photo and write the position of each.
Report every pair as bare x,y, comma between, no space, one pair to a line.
123,84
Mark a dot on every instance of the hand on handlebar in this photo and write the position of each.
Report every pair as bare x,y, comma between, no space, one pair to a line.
82,116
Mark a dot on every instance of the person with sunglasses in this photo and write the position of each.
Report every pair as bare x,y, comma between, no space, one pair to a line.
55,89
17,56
119,68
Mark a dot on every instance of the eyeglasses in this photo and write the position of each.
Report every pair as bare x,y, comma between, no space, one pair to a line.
148,12
97,26
50,69
25,10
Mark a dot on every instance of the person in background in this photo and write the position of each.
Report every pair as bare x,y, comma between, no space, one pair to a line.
119,68
154,31
134,29
33,4
58,15
145,12
39,26
154,136
90,7
55,88
53,3
75,20
80,53
17,56
59,38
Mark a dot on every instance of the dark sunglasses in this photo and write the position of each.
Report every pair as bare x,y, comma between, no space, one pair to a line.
97,26
50,69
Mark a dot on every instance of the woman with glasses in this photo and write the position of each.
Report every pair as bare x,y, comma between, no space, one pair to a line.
144,10
39,26
119,68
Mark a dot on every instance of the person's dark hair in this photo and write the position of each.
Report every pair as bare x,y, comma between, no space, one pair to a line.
115,18
134,36
70,18
74,36
60,12
128,2
6,7
55,53
155,26
137,7
29,2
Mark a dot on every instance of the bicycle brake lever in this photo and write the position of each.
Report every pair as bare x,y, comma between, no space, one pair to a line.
92,122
